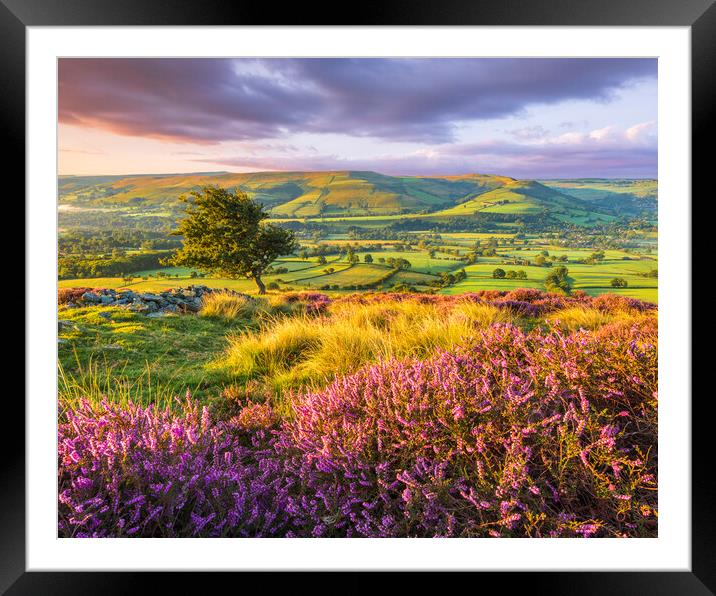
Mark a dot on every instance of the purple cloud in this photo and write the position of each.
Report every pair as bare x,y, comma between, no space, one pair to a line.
419,100
601,153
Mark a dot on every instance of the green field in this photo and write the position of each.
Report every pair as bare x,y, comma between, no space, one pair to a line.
424,270
434,223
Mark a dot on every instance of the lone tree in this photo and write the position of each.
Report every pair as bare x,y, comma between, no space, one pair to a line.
224,234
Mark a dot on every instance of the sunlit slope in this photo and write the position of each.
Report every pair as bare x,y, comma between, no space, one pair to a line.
289,194
624,196
599,188
369,193
522,197
151,190
364,194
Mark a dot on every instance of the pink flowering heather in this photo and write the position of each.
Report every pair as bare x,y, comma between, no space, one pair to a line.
515,434
145,472
314,303
525,302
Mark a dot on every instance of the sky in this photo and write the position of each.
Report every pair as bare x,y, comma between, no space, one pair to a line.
519,117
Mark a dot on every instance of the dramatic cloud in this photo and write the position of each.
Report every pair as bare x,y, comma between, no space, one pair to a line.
419,100
530,118
179,99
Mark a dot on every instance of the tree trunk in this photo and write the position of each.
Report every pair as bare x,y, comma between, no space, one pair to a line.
260,284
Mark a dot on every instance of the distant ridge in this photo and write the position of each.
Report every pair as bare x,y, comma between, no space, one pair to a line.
347,193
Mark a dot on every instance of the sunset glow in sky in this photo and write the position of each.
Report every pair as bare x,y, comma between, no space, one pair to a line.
525,118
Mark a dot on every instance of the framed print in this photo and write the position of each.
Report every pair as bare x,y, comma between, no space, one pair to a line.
407,294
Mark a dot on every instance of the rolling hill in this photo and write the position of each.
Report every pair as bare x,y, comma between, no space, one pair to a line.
528,197
290,195
286,194
622,196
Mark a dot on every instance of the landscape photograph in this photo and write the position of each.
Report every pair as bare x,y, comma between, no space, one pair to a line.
357,297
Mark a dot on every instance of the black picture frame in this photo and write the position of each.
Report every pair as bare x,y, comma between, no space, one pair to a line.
17,15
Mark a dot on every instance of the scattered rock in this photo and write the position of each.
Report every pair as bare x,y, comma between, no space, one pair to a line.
139,307
176,300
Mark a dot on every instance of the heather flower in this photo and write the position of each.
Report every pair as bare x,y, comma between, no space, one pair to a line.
512,434
255,416
169,474
424,449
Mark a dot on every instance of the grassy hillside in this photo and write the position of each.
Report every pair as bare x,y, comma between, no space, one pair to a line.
628,197
293,194
340,194
596,188
527,197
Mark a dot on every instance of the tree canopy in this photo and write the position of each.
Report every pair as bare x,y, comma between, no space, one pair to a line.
224,233
558,281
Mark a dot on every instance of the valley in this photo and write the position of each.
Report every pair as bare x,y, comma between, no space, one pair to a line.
362,231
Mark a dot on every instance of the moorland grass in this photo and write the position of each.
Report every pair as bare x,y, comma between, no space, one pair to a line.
284,342
230,306
591,319
115,352
300,351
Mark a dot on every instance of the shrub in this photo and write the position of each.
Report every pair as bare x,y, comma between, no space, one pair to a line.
256,416
516,435
525,294
147,472
558,281
617,303
312,303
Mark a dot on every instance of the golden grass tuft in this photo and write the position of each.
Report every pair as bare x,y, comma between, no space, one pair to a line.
592,319
305,351
227,305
